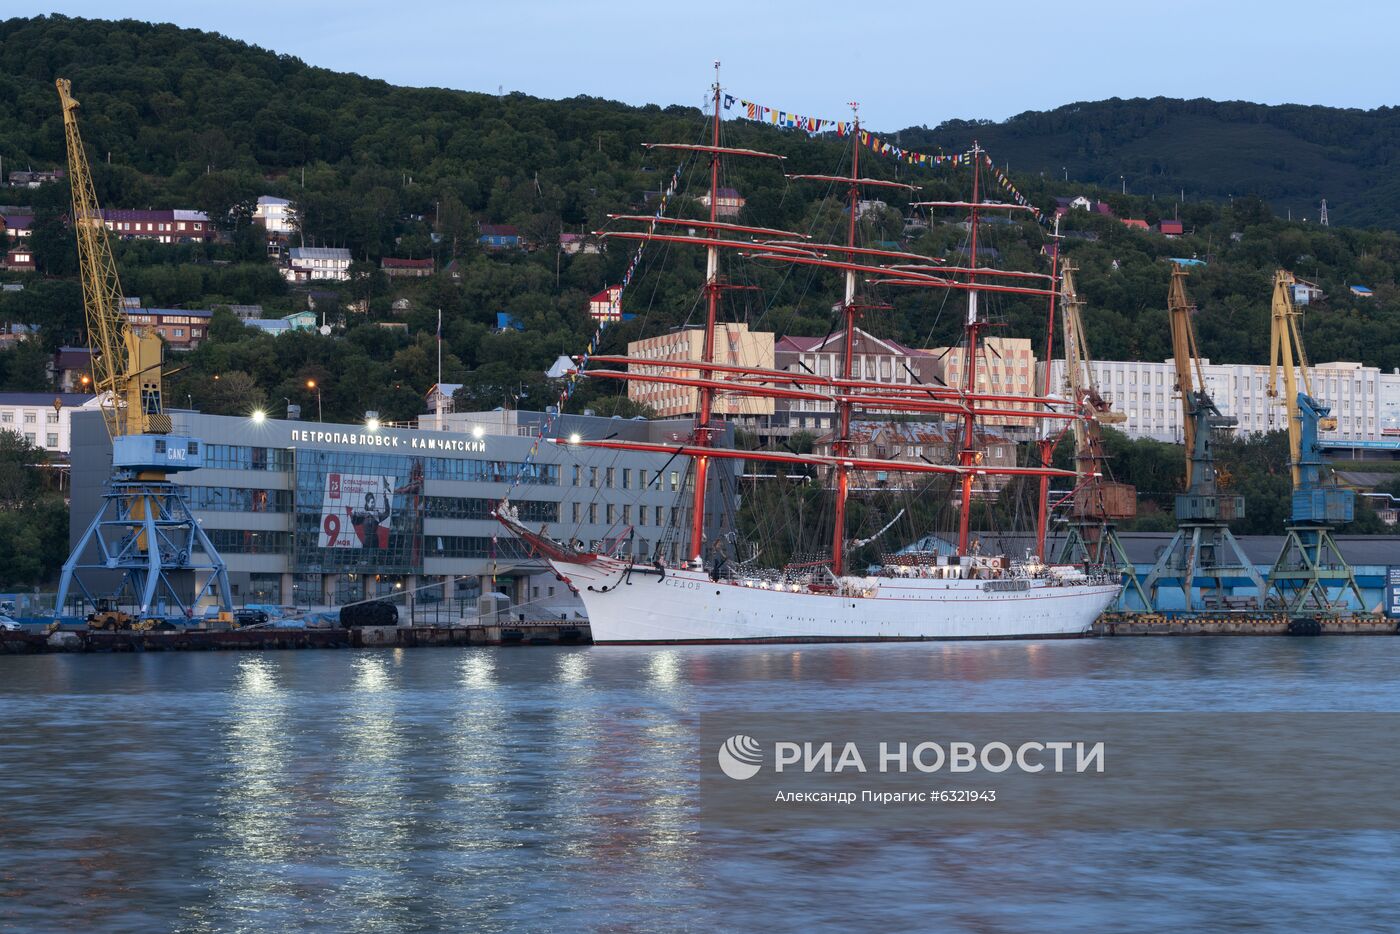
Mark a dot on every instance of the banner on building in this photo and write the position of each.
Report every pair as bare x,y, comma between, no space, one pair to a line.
1392,592
356,511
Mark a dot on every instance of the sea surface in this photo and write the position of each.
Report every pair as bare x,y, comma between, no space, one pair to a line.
548,789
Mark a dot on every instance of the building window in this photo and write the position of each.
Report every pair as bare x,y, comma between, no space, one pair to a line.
51,418
612,514
578,474
611,477
7,418
626,515
593,477
675,481
578,513
30,418
593,512
53,440
626,478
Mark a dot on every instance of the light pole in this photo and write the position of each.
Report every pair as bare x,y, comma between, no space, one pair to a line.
312,385
1124,182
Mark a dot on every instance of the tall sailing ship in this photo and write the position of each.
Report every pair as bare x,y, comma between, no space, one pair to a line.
910,596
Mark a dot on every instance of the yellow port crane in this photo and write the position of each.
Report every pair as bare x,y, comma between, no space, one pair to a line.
1310,566
1098,502
145,533
1203,559
126,365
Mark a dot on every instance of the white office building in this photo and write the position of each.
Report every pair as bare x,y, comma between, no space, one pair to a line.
1365,400
43,419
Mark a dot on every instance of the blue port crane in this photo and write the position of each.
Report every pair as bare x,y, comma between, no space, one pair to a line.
144,554
1203,559
1310,573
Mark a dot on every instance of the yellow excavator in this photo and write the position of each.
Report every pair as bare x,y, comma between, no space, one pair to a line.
144,531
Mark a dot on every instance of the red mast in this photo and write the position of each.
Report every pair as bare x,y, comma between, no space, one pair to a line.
1047,444
967,457
842,445
707,355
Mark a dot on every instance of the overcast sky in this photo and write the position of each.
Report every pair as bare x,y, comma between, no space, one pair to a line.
908,61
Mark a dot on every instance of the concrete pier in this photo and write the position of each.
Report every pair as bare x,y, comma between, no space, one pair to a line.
526,632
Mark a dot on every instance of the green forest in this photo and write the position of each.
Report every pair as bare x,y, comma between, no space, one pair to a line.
178,118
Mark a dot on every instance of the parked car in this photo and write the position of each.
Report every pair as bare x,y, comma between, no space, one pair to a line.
9,625
248,617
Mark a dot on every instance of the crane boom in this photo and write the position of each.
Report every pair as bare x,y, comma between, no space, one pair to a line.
126,365
1189,376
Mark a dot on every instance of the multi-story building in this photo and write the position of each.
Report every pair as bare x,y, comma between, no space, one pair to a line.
287,502
182,328
606,305
735,345
309,263
728,202
44,419
921,442
168,226
276,215
873,358
1364,400
1005,366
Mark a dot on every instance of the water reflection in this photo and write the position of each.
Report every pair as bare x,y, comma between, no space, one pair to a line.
533,789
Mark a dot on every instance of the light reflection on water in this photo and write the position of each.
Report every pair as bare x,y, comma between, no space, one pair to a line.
500,790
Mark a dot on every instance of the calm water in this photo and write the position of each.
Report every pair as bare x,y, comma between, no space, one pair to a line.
544,789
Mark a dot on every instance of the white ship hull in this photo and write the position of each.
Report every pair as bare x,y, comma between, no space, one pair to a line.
685,605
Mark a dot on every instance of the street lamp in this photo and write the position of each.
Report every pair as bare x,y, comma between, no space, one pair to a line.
259,416
312,385
372,421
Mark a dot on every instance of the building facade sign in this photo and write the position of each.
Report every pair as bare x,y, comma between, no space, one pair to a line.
1392,592
370,439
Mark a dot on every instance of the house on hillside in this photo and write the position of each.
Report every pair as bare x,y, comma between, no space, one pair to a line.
573,244
1306,293
1361,291
505,321
1135,223
276,216
1171,229
728,202
246,312
71,369
20,259
499,237
29,179
406,268
17,226
606,305
439,395
309,263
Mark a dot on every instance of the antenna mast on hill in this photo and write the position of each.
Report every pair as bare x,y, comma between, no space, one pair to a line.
1322,215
